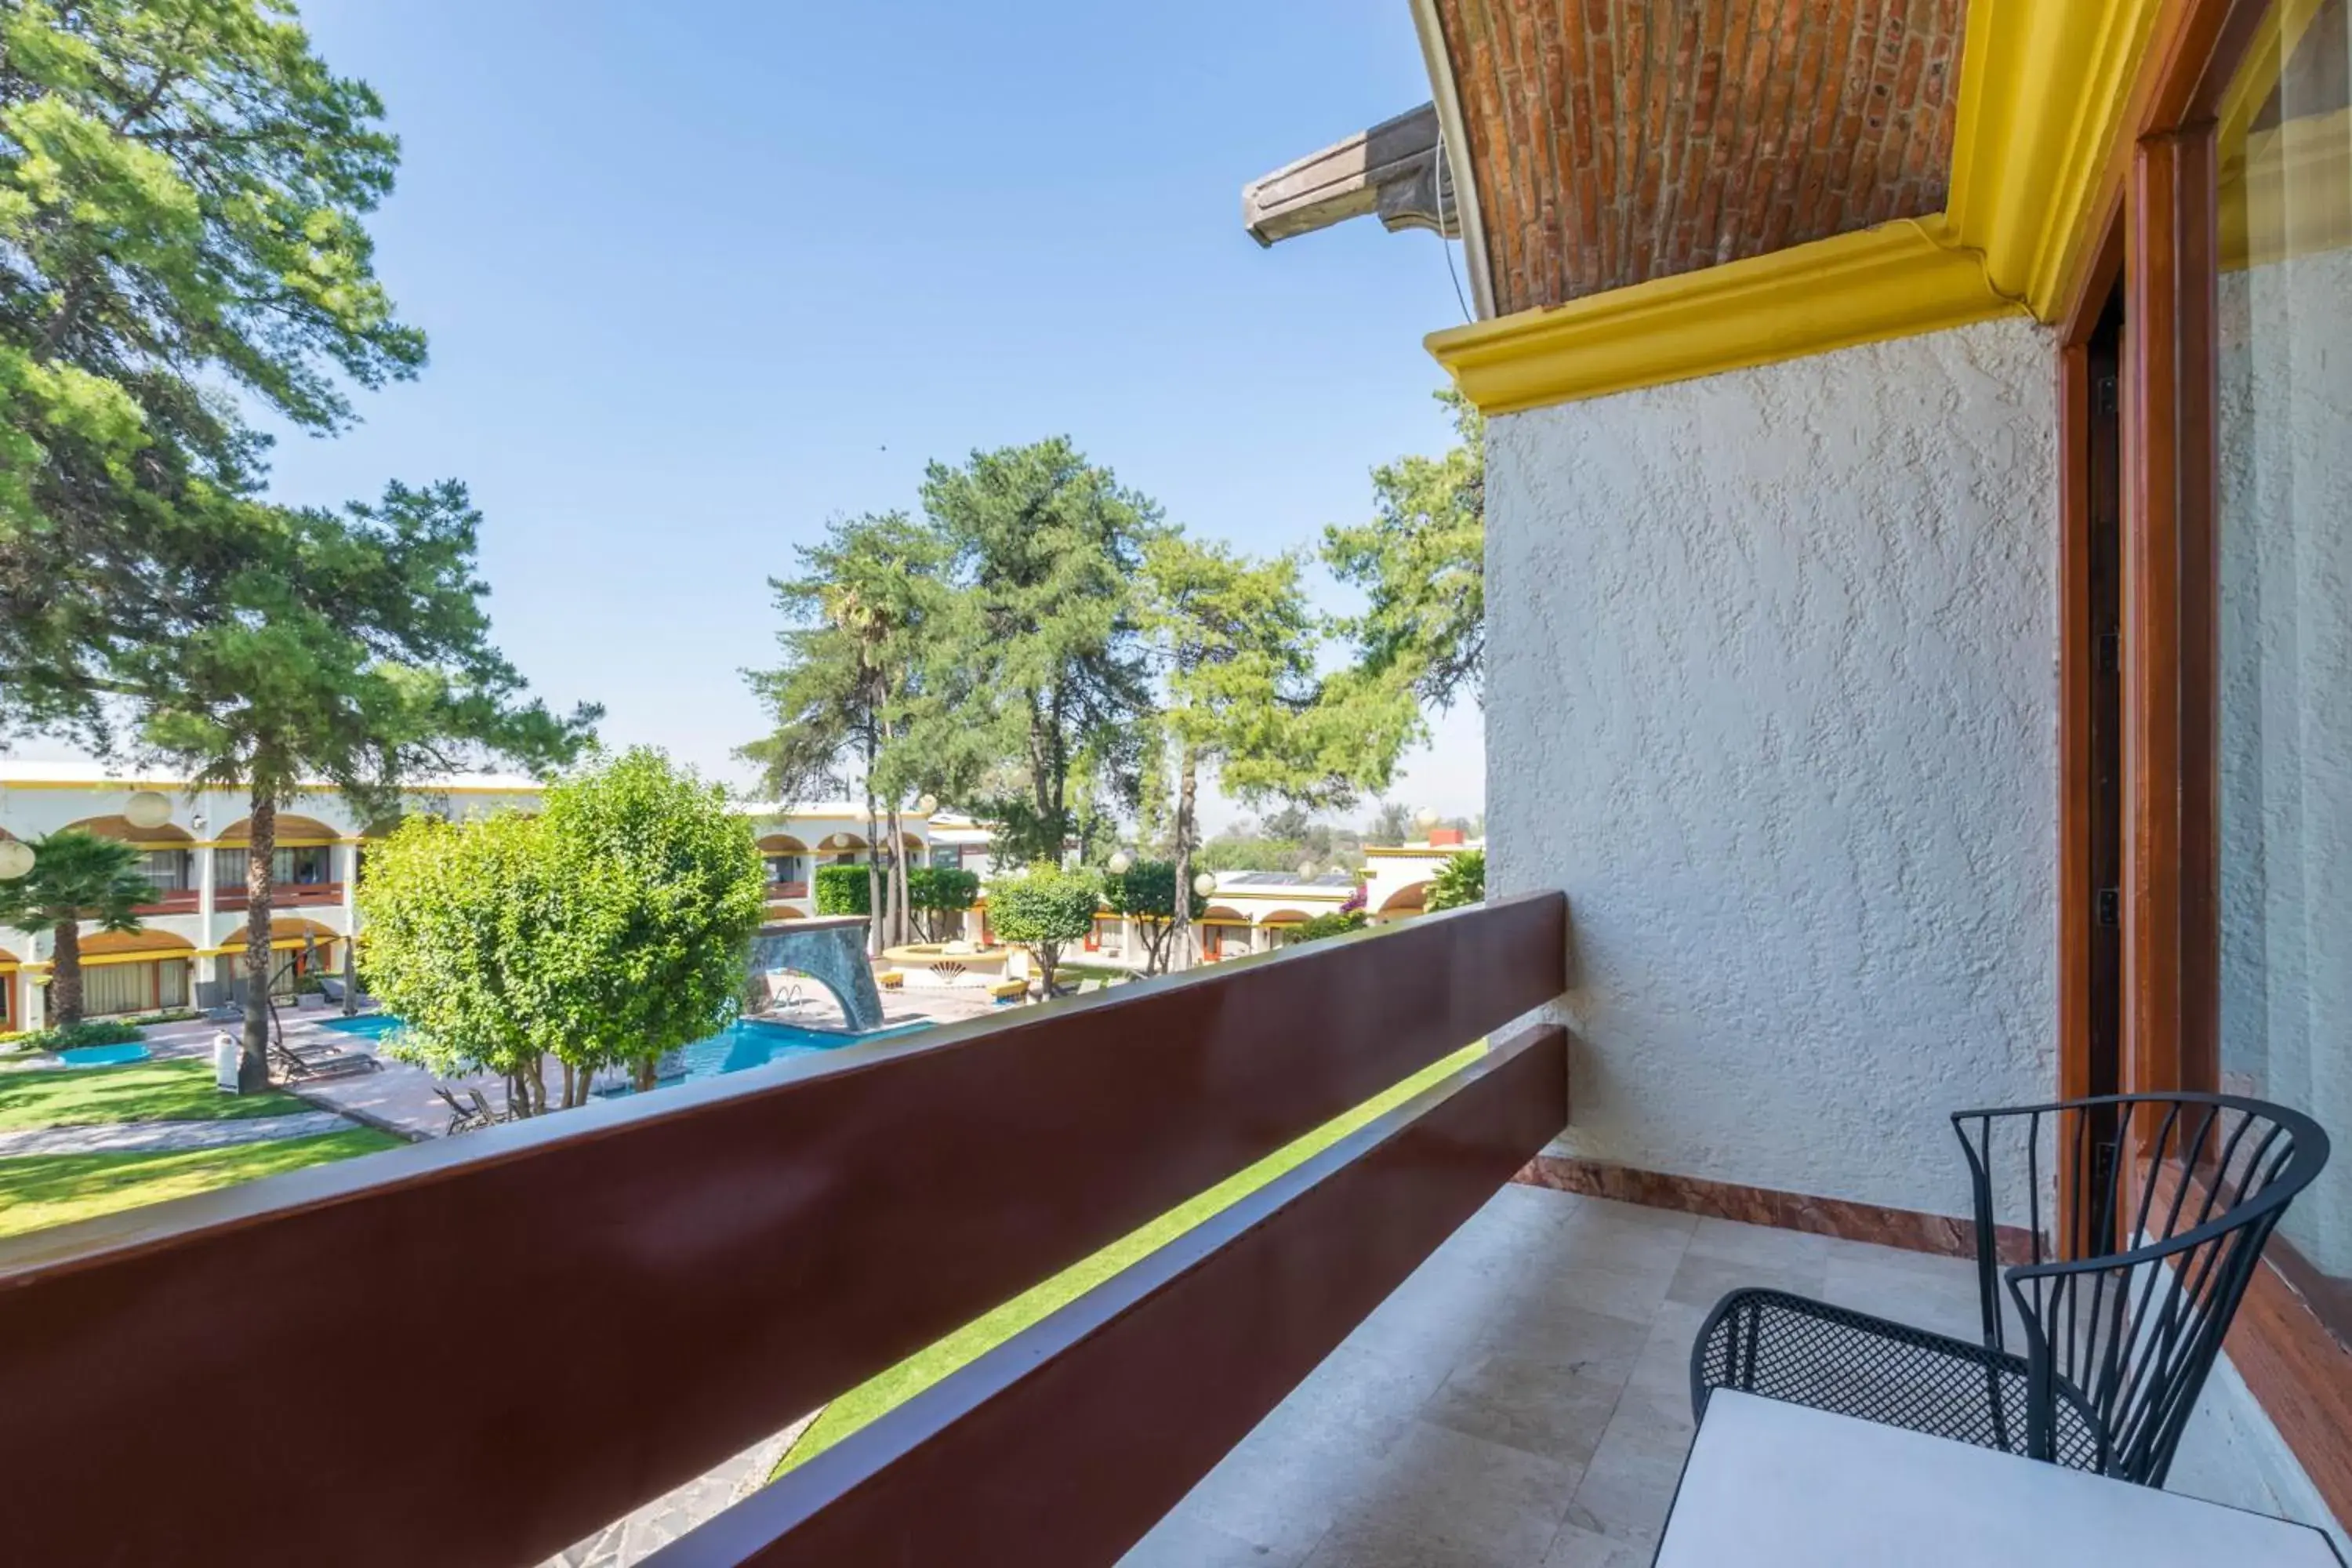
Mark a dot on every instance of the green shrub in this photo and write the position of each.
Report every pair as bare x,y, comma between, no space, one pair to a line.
1043,910
1463,881
92,1032
935,895
1145,890
930,892
1337,924
843,890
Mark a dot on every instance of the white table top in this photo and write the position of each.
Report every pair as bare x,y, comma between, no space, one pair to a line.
1770,1483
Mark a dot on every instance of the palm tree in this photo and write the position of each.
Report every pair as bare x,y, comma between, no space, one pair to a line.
75,876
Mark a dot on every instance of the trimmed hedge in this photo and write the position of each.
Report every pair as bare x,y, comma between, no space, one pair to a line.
843,890
94,1032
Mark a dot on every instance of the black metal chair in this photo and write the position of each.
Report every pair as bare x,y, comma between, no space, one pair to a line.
2118,1333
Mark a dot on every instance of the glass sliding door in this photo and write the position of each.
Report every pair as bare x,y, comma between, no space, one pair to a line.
2284,434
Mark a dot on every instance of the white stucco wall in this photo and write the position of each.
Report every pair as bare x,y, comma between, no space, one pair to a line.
1772,697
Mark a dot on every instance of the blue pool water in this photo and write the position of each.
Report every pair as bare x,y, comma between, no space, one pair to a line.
748,1043
374,1025
102,1056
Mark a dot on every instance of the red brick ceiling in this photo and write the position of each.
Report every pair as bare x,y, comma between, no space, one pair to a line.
1617,141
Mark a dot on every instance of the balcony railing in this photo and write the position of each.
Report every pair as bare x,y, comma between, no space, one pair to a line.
172,902
788,890
284,896
538,1328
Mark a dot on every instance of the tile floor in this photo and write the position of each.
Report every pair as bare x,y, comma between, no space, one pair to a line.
1523,1400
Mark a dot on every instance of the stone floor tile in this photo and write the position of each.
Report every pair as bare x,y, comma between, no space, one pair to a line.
1766,1246
1705,1278
1944,1302
1538,1404
1466,1494
1630,1484
1358,1545
1365,1391
1576,1547
1186,1540
1286,1484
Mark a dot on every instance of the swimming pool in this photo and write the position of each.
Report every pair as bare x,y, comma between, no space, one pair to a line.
747,1043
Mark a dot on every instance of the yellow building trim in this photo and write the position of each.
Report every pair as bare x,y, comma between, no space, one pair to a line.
2044,88
103,786
147,956
1416,852
280,944
1890,281
182,787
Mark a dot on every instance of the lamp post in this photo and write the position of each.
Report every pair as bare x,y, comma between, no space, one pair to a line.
147,808
16,859
1120,863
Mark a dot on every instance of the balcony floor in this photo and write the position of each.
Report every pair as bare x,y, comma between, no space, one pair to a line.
1523,1400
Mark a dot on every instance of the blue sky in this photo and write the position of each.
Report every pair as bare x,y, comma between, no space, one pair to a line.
699,277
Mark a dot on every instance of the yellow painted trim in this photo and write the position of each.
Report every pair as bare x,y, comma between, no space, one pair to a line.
283,944
181,786
153,955
1890,281
2044,86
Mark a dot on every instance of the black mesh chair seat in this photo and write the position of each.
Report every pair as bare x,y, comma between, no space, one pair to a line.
2122,1298
1809,1353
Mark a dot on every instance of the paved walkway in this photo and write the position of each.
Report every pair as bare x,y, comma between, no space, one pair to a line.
168,1137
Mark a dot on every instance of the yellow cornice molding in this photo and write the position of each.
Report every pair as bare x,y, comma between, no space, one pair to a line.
2044,87
1892,282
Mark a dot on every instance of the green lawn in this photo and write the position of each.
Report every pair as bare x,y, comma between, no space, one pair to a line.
142,1091
1071,974
42,1190
910,1377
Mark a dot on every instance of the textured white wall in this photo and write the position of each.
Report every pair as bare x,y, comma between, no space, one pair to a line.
1772,697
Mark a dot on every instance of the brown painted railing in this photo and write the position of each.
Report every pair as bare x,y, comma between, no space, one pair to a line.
479,1351
284,896
788,890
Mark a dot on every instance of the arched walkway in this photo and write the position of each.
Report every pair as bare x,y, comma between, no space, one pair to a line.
120,828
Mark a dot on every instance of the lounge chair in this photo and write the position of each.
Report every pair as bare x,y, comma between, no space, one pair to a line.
464,1117
293,1062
